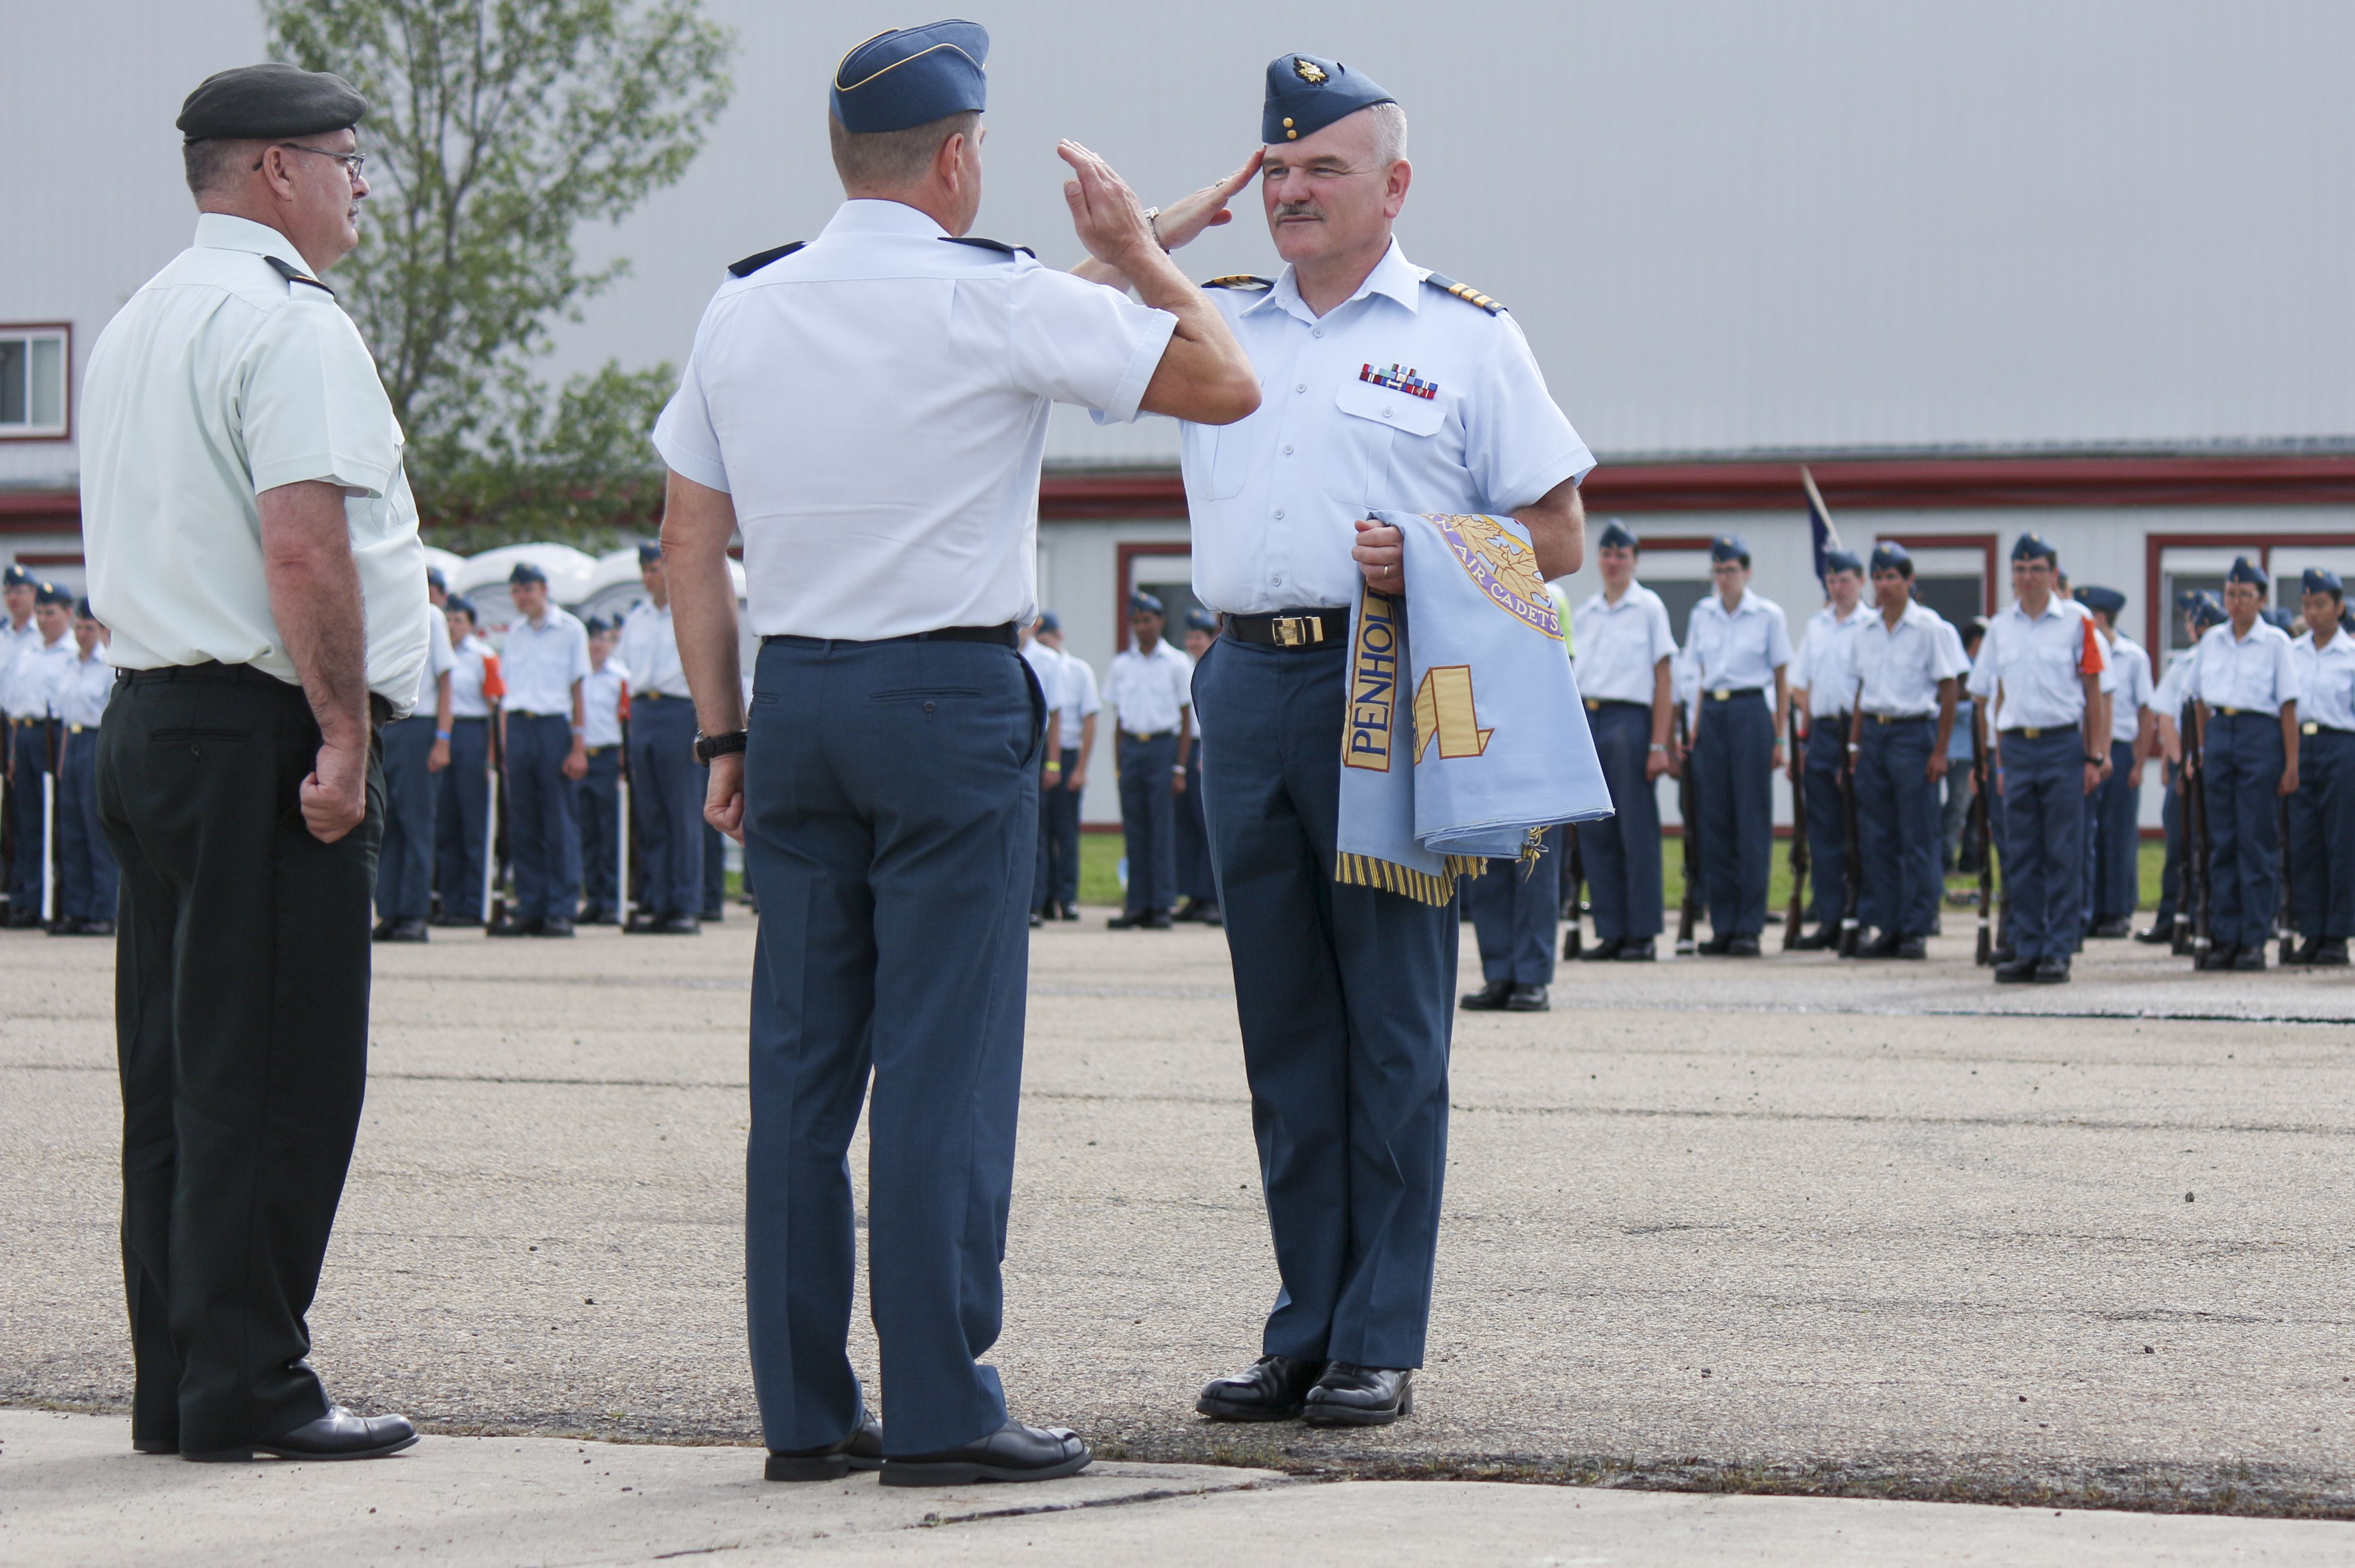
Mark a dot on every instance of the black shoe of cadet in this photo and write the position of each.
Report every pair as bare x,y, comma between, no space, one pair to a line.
1637,951
2015,972
1881,947
1528,999
1489,997
1605,948
861,1449
1816,940
1350,1395
2053,968
1012,1453
339,1435
411,929
1272,1390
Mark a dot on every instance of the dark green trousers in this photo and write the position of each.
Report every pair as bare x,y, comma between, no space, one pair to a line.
241,987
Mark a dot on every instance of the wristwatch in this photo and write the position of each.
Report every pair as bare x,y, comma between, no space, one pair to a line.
708,747
2094,762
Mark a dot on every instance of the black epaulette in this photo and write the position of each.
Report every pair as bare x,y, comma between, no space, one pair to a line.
1464,292
1239,280
293,274
759,258
978,243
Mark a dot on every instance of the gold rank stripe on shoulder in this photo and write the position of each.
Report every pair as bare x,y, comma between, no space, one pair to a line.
1239,280
1464,292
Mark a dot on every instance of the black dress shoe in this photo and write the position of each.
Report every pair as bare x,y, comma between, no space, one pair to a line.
23,919
1528,999
1185,911
62,927
511,926
1067,911
2250,958
1271,1390
2015,972
1715,947
2330,952
1157,921
1211,914
1012,1453
1742,946
556,927
1912,947
1816,940
2052,969
1605,949
1350,1395
2155,935
862,1449
93,928
716,915
1637,951
409,930
2110,930
155,1445
1126,922
1489,997
452,920
2218,957
1881,947
339,1435
382,929
1036,919
596,915
676,926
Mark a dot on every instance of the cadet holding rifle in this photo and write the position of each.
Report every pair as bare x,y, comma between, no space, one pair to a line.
2169,703
1624,652
2247,687
1823,688
2322,814
1907,660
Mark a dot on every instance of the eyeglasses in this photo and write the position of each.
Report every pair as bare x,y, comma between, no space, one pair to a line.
354,164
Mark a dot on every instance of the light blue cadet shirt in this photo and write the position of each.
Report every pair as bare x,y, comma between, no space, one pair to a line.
1620,646
2326,682
541,660
648,648
1824,666
2130,686
601,703
1408,395
1148,691
1900,667
89,686
2041,663
2253,674
36,675
883,324
1740,650
2175,687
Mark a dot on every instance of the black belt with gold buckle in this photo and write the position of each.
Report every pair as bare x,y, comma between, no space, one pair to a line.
1291,629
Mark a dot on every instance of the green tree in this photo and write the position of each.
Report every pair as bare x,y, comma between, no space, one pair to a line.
499,127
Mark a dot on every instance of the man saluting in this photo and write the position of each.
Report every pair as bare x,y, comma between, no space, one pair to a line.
1385,386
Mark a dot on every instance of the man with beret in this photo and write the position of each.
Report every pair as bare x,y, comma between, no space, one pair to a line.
1823,688
1741,646
606,704
416,749
2114,820
1197,886
2043,662
2247,683
1906,663
2322,812
29,694
888,797
253,547
86,873
463,815
665,784
1060,803
1345,994
2201,609
1625,650
544,732
1149,690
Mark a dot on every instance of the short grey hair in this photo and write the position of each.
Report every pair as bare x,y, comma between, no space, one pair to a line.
888,160
215,161
1390,133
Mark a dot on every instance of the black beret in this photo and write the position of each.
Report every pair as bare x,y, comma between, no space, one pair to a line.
908,77
1729,547
1143,603
525,572
260,102
649,553
1305,94
2245,570
2321,579
596,626
1616,536
2032,547
2201,608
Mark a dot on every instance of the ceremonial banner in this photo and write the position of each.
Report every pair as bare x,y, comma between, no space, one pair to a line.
1468,740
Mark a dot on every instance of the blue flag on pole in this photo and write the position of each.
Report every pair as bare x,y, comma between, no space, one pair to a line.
1819,523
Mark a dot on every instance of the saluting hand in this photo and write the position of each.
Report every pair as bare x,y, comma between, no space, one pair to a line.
1105,213
1186,217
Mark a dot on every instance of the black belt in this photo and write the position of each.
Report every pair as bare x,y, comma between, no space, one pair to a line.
2311,728
1733,692
1003,636
1900,718
2039,731
379,707
1156,735
2246,712
27,723
1291,629
1596,704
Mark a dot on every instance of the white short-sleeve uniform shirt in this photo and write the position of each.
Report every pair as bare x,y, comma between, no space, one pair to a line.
1620,646
542,660
1149,691
876,402
2130,684
1741,648
1897,669
1825,665
648,648
1402,397
2325,681
471,676
2041,662
2256,673
222,379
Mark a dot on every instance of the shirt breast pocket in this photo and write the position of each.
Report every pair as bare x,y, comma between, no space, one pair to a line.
1226,455
1371,417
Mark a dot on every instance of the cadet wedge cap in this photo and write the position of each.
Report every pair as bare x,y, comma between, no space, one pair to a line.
1307,92
263,101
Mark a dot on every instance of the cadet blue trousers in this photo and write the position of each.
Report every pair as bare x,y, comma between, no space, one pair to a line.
1148,821
667,791
1515,914
1735,785
2117,839
1346,998
892,796
1828,824
2243,753
2170,873
2044,839
1193,838
1897,825
2322,835
596,808
461,816
1621,854
29,744
541,835
86,873
404,866
1056,879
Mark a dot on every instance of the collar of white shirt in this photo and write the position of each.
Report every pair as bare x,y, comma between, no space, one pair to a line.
868,214
1748,606
224,231
1392,275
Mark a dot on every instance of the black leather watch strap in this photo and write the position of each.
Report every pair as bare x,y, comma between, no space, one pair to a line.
708,747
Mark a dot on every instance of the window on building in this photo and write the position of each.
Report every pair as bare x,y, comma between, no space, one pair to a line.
33,362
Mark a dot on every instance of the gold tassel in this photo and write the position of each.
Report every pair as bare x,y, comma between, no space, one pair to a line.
1389,876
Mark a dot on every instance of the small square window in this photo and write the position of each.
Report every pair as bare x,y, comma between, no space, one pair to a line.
34,364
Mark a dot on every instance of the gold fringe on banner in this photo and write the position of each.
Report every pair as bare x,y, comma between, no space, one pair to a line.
1424,887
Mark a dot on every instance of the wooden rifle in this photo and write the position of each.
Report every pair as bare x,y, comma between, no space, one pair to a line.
1688,808
1852,936
1982,784
2195,832
1572,942
2285,916
1794,915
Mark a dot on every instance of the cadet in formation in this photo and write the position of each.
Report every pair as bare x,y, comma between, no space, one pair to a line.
887,789
665,785
29,686
606,704
2200,610
1344,992
416,752
2322,812
1625,650
462,815
1739,647
86,873
545,726
1906,661
2248,685
1069,687
1823,688
2114,820
2041,662
1148,689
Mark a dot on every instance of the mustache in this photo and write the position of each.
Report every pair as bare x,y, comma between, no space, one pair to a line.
1297,209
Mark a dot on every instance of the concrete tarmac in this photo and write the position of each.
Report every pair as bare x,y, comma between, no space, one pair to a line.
1789,1225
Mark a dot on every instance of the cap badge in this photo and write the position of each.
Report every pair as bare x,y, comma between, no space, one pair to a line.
1309,71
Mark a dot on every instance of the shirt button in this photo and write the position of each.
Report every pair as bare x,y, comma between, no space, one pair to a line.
1278,514
1287,451
1275,581
1301,387
1315,332
1386,413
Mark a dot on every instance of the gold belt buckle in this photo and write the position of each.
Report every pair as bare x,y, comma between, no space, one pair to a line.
1721,696
2315,728
2031,734
1594,704
1297,630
